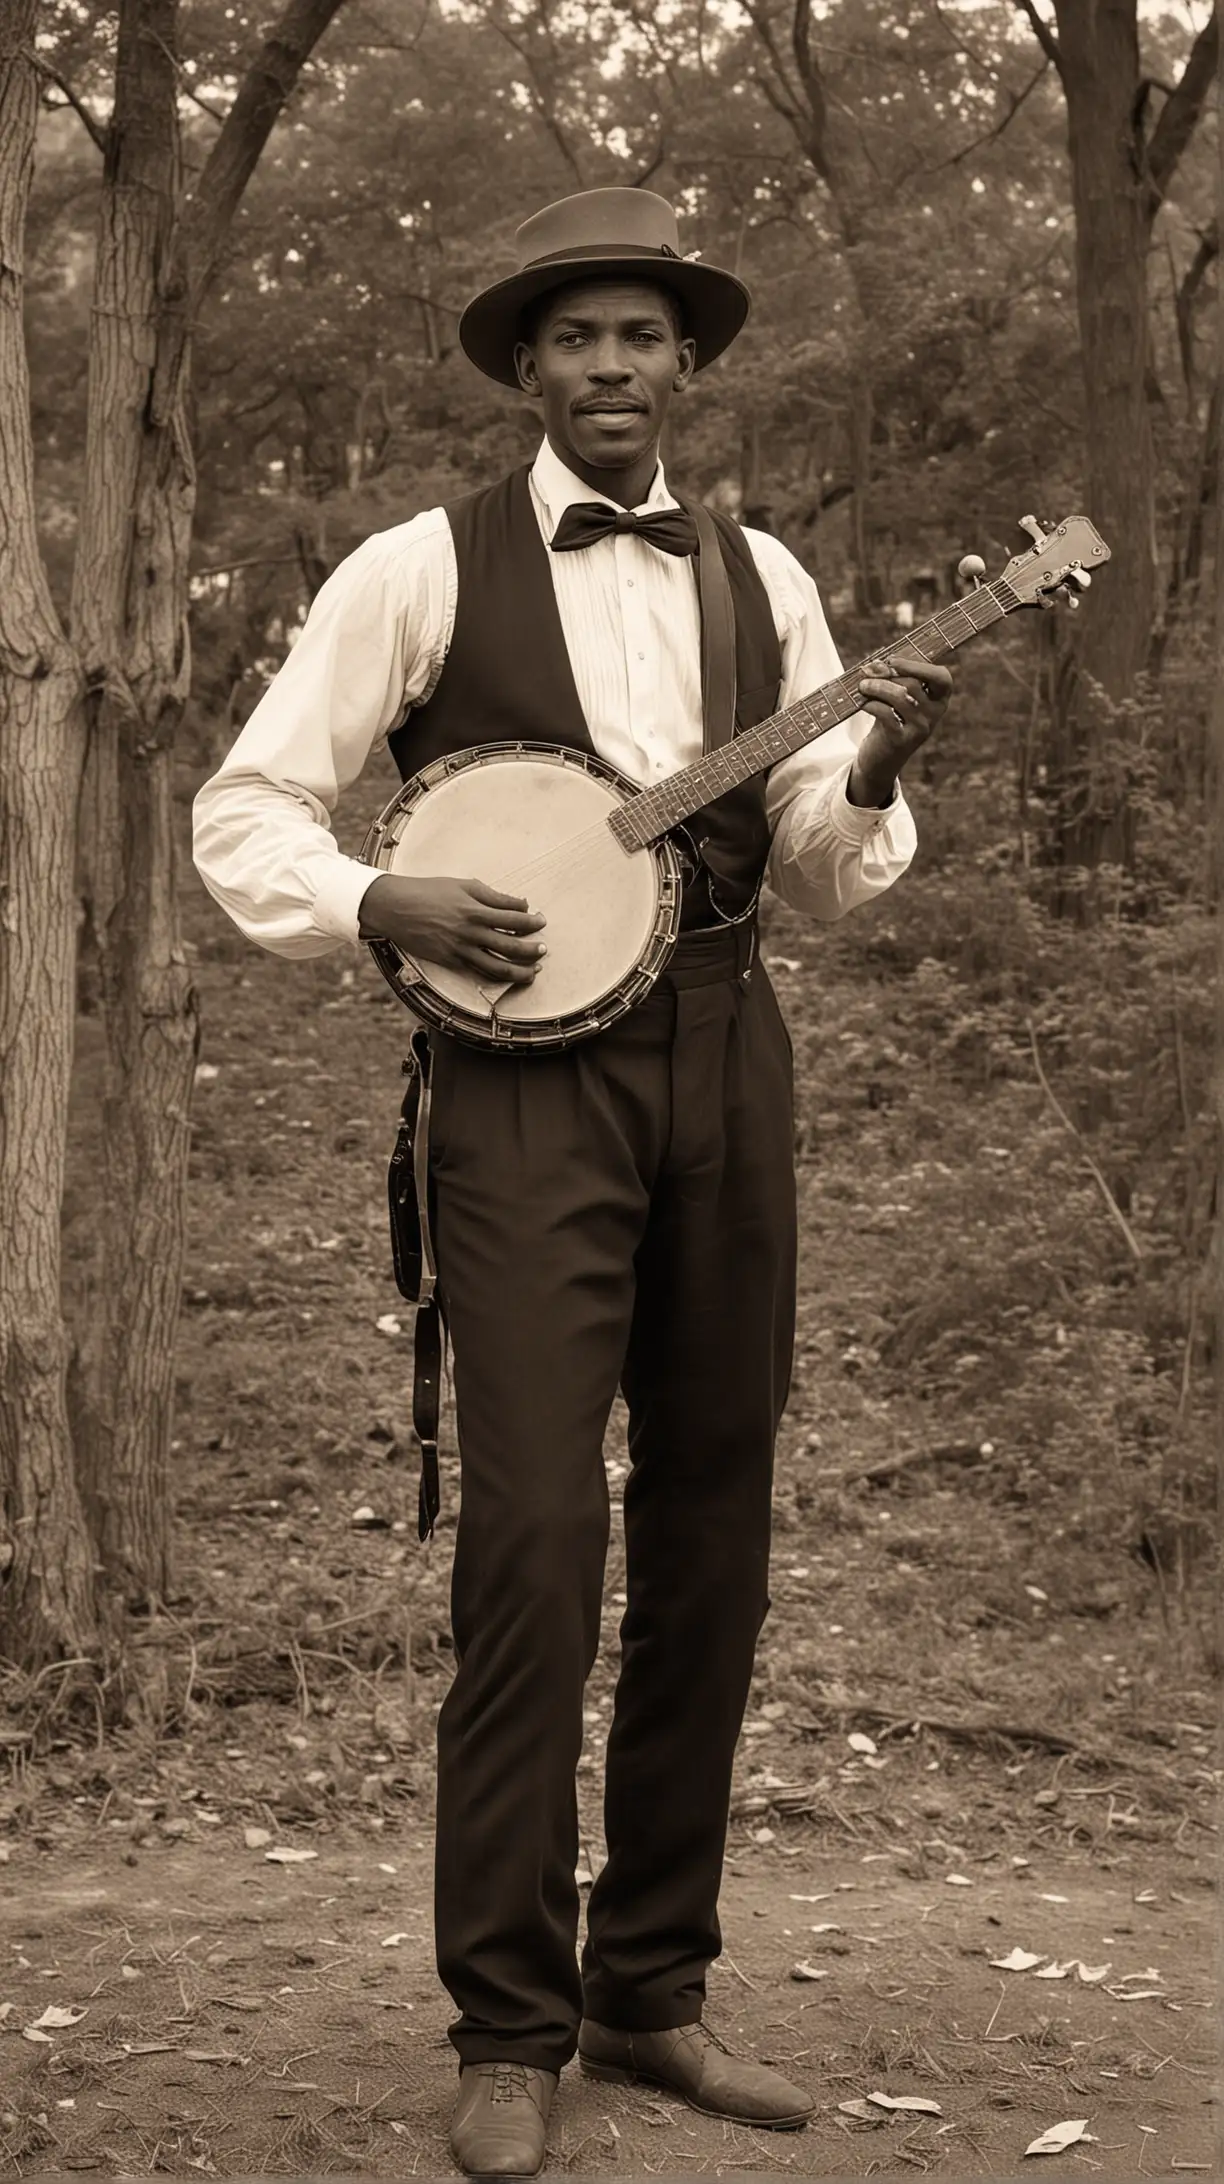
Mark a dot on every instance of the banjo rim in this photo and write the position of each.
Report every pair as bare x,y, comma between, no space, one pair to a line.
544,1034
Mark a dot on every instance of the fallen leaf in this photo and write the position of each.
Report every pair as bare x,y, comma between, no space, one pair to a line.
826,1928
393,1940
285,1855
31,2032
860,1743
1092,1974
1035,1593
910,2104
1017,1960
1147,1895
388,1324
59,2019
1053,1899
6,2010
804,1971
957,1880
825,1896
864,2113
1057,2139
1056,1971
255,1838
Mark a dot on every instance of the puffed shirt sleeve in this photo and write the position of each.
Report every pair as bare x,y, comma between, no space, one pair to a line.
372,644
828,855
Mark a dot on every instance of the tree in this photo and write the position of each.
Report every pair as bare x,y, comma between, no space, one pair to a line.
1122,167
104,708
46,1582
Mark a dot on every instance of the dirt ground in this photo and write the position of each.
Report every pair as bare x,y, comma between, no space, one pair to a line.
244,2017
982,1719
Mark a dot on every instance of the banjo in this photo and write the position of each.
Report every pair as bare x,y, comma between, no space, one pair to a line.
594,852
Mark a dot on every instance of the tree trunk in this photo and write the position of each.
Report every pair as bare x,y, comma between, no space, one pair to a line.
46,1567
1118,177
129,623
157,253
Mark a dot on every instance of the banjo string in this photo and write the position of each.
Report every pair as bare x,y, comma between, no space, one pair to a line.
563,860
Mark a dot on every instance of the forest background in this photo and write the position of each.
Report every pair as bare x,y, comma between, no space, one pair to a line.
982,238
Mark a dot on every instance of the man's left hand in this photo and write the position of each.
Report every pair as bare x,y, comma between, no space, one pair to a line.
907,697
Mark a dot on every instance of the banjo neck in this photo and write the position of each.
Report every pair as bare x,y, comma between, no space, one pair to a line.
652,813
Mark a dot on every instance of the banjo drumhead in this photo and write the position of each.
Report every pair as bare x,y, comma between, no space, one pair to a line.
536,826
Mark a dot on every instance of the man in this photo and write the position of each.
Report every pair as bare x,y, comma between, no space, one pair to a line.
618,1214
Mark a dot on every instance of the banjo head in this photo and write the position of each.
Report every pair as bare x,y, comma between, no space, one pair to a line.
532,821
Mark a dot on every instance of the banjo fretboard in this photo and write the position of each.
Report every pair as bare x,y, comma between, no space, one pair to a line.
654,812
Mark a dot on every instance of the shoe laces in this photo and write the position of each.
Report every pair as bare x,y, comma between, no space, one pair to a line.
509,2081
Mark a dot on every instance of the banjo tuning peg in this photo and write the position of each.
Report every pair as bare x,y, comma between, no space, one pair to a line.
1035,531
971,569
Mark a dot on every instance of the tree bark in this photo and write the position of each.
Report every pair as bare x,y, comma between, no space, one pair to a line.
1118,180
46,1573
157,255
129,624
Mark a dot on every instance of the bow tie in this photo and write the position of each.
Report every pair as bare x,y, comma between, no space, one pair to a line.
670,529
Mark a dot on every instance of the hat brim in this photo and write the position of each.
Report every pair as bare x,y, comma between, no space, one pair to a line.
715,304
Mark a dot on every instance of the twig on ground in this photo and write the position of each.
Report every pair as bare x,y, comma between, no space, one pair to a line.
1061,1112
947,1452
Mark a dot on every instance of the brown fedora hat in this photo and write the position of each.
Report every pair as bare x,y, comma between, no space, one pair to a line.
612,234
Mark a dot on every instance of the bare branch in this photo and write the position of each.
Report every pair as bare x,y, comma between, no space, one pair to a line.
787,100
1042,32
1180,113
260,101
96,128
813,84
214,112
1186,298
1016,100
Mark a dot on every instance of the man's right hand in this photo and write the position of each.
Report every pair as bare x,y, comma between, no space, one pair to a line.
461,924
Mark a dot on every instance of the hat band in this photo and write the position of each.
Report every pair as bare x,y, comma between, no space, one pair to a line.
579,251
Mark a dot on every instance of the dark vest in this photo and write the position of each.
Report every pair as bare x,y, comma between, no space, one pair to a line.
507,678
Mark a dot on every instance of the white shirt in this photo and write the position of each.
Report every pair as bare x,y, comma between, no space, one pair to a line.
373,645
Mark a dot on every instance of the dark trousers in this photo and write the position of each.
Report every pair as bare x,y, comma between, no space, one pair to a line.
619,1214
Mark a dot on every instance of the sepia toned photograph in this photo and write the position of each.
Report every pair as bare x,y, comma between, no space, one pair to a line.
611,1088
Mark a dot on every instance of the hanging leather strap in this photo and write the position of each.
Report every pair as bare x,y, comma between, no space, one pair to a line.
416,1272
718,691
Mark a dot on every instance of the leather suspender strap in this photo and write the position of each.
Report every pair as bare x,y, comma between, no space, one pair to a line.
718,690
416,1271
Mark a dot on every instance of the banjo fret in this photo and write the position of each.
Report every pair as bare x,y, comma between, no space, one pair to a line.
654,812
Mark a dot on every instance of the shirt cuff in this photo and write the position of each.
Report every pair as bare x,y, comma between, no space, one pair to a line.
855,823
339,895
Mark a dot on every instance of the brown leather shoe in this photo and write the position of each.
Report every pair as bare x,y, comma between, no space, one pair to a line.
500,2118
692,2061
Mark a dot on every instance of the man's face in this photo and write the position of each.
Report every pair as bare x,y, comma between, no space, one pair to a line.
605,359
